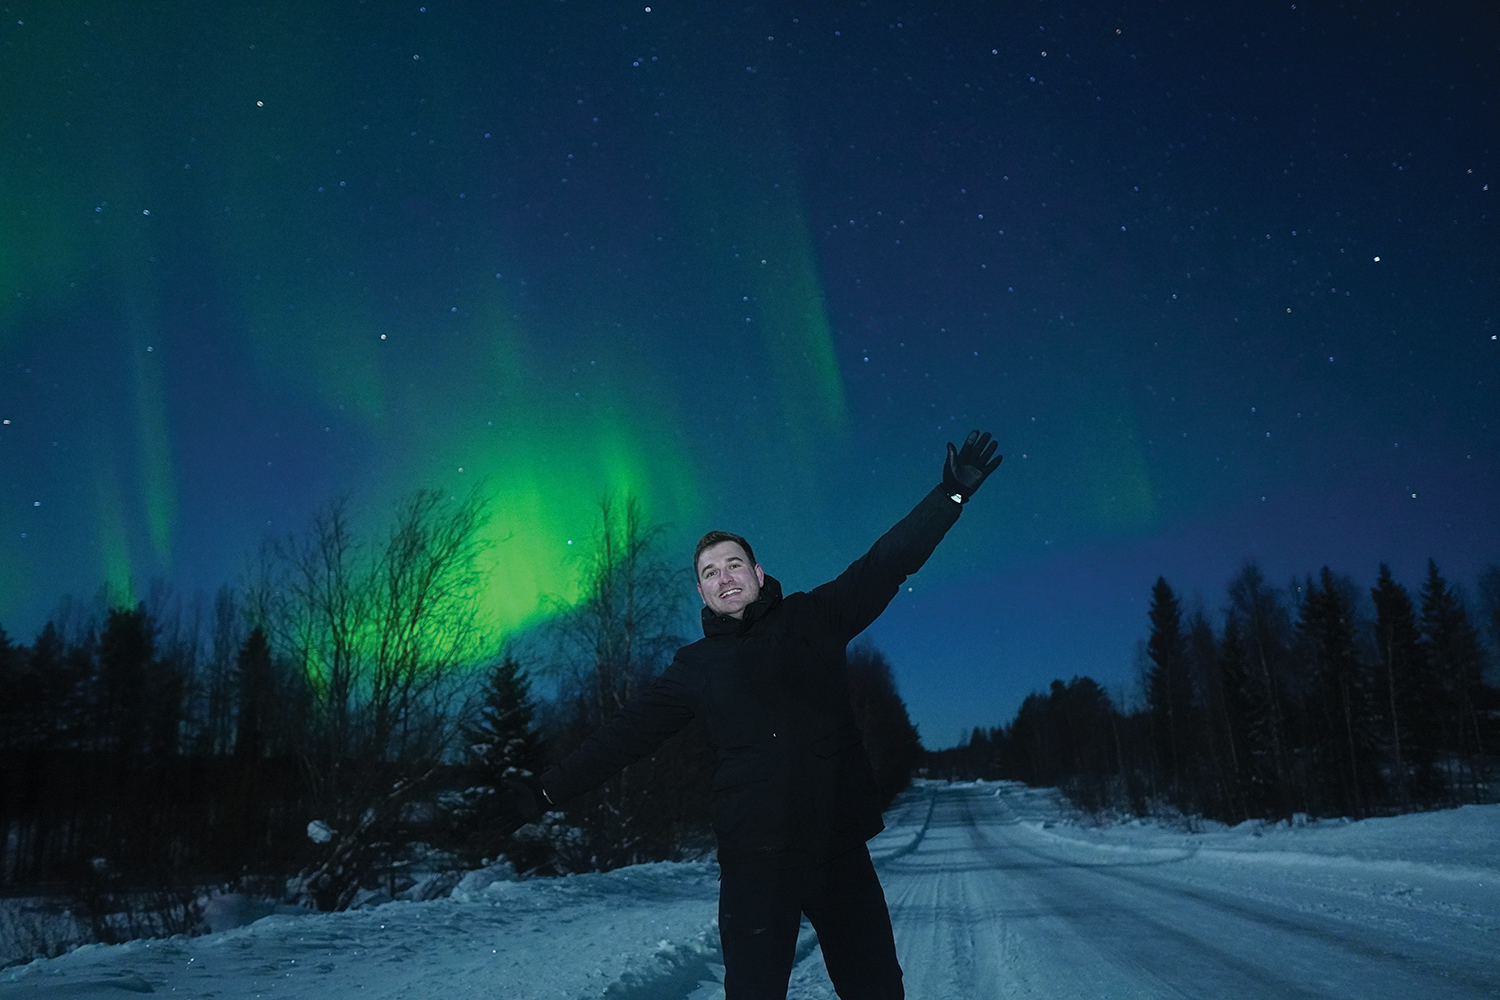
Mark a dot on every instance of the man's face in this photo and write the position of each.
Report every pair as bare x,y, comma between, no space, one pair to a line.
726,580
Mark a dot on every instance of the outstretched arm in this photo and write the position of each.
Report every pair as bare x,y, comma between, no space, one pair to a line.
651,718
862,591
639,729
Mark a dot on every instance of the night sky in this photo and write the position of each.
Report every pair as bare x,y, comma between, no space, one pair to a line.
1224,285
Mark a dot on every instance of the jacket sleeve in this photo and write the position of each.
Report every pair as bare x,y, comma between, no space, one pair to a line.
848,604
649,720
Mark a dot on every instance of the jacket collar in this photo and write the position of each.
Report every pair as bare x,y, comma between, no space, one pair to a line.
770,596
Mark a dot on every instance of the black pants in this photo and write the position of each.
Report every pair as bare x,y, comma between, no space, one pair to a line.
760,913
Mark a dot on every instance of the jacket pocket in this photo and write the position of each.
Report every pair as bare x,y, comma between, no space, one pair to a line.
742,771
749,808
838,741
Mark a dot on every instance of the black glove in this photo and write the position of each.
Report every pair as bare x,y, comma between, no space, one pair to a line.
521,801
967,468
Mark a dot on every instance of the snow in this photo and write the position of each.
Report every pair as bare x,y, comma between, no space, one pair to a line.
995,890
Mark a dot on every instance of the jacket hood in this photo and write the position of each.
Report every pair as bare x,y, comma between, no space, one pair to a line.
770,596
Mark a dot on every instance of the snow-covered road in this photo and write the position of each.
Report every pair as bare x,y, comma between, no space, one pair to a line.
991,903
994,893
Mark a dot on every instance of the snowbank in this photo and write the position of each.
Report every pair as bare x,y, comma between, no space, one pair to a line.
1464,841
650,931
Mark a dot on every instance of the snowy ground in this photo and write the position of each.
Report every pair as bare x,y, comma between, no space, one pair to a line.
994,893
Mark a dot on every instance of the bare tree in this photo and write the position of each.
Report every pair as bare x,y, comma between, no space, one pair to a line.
424,604
603,650
622,629
381,633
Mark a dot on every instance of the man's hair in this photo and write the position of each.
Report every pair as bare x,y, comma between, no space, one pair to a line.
713,538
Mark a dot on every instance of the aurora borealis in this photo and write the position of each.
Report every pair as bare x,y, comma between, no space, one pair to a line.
1222,284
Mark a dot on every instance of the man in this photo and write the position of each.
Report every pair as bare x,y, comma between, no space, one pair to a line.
793,795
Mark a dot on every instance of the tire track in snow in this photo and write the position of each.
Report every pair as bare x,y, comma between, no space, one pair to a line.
981,912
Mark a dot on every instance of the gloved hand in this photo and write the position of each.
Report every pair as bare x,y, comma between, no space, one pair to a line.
967,468
521,801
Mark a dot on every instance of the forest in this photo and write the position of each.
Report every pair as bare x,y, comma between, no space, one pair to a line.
1319,698
341,718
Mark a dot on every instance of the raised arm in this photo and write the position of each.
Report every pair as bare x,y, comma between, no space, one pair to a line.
860,593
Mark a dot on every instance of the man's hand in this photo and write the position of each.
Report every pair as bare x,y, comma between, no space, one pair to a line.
968,467
521,801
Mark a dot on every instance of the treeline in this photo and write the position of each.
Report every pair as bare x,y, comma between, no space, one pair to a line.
167,743
1320,698
316,729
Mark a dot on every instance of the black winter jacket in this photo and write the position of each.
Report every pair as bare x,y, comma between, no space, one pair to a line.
792,784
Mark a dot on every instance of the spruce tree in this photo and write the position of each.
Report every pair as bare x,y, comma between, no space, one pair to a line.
16,701
1168,694
1408,693
891,741
127,647
256,687
1489,604
1244,721
1452,646
13,704
503,741
1207,766
1027,758
1082,713
59,690
1266,633
1344,740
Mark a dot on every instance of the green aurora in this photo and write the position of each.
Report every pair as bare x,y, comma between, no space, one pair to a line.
754,267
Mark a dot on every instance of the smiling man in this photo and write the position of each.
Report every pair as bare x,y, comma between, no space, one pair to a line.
793,795
729,578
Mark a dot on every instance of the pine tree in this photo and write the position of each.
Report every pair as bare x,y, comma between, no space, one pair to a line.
1082,712
58,690
1066,738
1265,631
1457,660
1344,741
126,649
1409,695
18,698
891,741
12,706
1168,691
1244,721
253,673
503,741
1208,768
1026,738
1489,604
